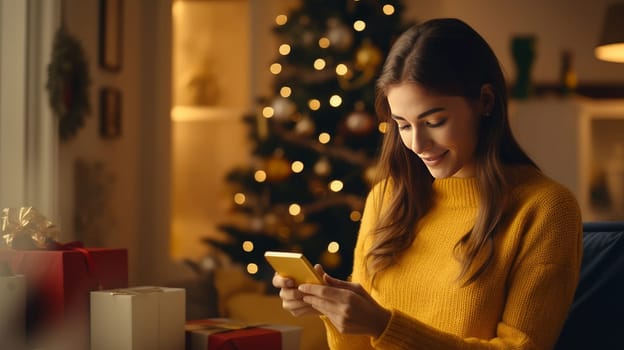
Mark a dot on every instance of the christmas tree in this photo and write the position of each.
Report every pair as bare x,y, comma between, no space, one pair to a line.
315,140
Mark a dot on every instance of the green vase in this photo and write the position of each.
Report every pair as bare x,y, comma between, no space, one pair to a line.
523,52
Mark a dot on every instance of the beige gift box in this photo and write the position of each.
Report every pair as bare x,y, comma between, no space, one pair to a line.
139,318
13,311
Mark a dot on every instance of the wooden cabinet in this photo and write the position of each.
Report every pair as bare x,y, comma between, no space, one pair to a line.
571,140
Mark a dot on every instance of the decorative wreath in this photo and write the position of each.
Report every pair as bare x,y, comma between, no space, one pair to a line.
68,83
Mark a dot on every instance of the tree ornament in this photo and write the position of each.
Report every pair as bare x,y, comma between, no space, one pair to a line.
305,126
283,108
368,58
322,167
277,168
68,83
359,123
340,36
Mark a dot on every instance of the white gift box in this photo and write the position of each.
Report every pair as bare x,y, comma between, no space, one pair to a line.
139,318
291,335
13,311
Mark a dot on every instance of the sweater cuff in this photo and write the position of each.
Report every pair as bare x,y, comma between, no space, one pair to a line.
403,332
333,336
337,340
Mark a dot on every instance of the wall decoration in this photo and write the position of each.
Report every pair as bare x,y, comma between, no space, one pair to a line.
110,55
94,184
68,83
110,112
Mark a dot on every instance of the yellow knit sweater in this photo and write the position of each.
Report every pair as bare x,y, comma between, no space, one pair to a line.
520,302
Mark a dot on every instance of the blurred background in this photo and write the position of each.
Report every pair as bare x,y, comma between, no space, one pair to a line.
207,131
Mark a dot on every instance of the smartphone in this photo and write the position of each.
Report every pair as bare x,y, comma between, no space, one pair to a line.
293,265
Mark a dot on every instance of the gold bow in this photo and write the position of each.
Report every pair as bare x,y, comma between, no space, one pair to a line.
26,228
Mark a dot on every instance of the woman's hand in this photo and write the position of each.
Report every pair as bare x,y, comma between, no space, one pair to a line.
347,305
292,298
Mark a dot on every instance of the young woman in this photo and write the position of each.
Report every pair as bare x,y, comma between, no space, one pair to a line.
464,243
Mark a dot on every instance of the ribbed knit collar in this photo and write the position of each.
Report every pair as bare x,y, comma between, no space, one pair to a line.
456,192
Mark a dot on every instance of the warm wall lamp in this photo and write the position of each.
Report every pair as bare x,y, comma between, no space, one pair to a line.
611,45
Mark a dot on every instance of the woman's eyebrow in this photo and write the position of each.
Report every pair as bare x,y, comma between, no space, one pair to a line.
421,115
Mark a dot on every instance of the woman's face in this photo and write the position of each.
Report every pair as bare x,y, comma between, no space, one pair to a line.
440,130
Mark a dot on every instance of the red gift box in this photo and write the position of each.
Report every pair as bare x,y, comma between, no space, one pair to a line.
58,286
223,334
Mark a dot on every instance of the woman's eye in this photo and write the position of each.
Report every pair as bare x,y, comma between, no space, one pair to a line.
435,123
404,126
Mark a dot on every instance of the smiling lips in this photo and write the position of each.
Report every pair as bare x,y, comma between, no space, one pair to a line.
432,161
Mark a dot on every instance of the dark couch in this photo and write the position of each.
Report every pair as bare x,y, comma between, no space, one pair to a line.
596,319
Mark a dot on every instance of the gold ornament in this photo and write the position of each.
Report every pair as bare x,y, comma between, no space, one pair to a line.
368,58
277,168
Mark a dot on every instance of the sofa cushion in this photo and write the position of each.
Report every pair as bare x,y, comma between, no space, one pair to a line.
596,318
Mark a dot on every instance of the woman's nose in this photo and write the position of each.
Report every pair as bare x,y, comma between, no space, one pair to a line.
421,140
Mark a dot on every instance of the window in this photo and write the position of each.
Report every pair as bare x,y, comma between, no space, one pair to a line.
28,142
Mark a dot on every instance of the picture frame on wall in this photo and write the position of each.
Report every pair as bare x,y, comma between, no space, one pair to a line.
110,113
110,41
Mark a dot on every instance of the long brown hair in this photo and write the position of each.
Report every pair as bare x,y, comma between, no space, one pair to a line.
445,56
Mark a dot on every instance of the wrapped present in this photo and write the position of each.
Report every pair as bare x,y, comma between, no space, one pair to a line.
12,309
138,318
58,277
225,334
59,283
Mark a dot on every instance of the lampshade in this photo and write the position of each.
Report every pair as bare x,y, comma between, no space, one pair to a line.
611,45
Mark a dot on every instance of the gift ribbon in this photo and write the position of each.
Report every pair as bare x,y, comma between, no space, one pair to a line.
136,291
79,247
250,338
227,325
226,334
